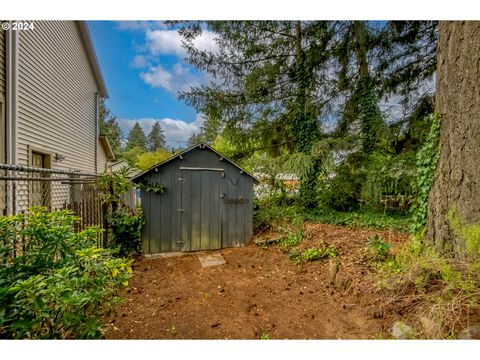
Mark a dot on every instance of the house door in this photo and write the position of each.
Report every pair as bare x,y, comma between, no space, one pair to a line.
200,209
40,190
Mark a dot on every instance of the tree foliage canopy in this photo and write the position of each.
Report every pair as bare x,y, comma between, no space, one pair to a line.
319,95
136,138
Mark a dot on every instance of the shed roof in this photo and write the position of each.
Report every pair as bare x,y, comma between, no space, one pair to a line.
201,146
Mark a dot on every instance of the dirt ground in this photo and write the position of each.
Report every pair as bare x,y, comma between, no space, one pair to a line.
258,293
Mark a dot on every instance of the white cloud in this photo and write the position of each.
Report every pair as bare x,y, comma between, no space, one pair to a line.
169,42
158,77
178,78
139,61
176,131
135,25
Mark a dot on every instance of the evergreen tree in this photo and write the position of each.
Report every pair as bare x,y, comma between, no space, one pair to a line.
136,138
277,80
156,138
265,74
109,127
195,139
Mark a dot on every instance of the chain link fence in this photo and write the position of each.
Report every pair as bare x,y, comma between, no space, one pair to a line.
22,187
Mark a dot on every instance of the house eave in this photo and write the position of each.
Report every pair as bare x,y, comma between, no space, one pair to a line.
106,146
92,57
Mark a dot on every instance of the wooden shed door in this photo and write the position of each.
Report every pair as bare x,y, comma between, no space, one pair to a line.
200,209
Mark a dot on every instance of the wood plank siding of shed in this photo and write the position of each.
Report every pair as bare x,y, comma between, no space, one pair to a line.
56,96
191,214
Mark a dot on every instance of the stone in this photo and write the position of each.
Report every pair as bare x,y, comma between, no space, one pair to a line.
402,331
470,333
431,329
211,260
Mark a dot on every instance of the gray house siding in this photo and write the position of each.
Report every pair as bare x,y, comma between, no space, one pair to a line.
2,94
57,97
2,63
197,211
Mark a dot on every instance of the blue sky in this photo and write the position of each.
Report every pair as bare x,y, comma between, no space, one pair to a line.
142,64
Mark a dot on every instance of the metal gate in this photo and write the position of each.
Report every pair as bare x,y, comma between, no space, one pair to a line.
200,208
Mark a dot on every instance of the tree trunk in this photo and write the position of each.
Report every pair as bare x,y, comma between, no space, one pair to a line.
359,32
457,185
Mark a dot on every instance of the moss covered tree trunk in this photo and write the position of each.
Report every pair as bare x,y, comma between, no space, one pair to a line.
305,125
458,101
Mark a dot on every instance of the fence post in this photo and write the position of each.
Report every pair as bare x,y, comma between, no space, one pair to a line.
73,195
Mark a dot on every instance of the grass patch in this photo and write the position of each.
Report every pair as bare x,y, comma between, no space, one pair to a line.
444,289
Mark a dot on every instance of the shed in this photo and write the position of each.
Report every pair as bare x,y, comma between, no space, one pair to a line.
196,200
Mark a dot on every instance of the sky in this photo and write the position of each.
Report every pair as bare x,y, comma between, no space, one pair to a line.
143,66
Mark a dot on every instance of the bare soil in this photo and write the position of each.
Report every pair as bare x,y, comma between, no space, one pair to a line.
259,292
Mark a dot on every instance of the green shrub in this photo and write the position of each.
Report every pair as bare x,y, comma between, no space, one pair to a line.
295,256
379,248
122,224
125,232
342,192
313,254
292,239
60,284
269,215
388,182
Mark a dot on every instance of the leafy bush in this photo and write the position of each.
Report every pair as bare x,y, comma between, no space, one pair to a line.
60,284
125,232
268,215
123,225
292,239
388,182
342,192
379,248
313,254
